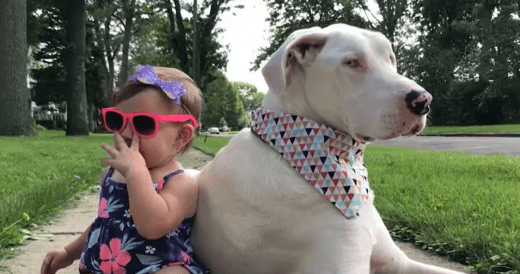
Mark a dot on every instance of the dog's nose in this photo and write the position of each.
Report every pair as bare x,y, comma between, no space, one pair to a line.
418,102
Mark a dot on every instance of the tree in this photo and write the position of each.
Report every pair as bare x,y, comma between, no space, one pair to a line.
394,19
95,77
500,99
178,33
49,75
152,44
129,13
181,33
251,98
288,16
15,102
223,101
102,12
74,14
445,33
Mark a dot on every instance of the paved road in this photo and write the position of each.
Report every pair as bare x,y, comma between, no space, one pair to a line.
475,145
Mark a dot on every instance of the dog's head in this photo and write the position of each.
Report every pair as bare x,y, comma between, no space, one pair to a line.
345,77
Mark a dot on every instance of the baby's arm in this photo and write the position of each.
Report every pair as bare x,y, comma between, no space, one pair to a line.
157,214
63,257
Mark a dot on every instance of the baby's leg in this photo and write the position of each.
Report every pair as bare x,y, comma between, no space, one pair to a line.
175,269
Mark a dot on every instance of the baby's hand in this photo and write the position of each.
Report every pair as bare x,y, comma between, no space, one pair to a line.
55,260
125,159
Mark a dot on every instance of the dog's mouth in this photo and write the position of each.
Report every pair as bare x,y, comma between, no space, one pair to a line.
364,139
414,130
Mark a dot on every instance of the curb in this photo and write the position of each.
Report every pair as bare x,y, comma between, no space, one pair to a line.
473,135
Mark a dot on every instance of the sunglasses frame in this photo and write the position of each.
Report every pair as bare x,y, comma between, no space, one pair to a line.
179,118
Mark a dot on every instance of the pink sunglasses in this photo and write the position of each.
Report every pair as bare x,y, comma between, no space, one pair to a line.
144,125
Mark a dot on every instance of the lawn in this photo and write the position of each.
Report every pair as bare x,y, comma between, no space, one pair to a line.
453,204
463,206
210,144
492,129
40,174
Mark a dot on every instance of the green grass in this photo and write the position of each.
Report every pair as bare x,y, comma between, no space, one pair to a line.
463,206
493,129
39,175
210,145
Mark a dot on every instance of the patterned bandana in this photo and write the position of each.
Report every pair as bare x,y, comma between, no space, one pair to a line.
330,161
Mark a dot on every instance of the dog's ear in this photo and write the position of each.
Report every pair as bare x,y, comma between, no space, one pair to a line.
292,56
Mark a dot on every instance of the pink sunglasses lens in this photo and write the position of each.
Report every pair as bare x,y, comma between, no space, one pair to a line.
144,125
113,121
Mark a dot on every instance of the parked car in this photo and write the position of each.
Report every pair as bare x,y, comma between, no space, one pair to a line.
213,130
224,128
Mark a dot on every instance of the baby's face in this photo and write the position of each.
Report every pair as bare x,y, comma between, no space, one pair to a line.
160,150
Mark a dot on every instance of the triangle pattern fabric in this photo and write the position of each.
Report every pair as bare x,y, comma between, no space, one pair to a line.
329,160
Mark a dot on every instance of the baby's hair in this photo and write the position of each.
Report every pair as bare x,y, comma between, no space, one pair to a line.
191,101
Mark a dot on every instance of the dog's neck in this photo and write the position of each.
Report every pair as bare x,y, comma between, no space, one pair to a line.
292,100
331,161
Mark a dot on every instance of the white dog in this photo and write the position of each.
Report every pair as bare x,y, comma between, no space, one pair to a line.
256,214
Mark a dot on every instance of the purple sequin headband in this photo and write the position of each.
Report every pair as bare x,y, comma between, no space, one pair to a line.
146,75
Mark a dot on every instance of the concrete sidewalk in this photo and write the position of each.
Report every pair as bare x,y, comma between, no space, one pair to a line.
72,222
473,145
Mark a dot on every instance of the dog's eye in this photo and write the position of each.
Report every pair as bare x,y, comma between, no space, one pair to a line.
353,63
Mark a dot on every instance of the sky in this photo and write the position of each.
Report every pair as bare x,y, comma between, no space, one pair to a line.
245,33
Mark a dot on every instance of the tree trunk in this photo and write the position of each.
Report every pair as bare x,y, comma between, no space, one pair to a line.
15,98
129,12
205,30
484,68
91,120
196,45
110,59
107,83
74,12
179,39
111,54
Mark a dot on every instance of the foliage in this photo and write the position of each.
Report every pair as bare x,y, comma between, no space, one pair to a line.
48,73
222,100
466,53
288,16
166,38
251,98
153,33
152,43
472,84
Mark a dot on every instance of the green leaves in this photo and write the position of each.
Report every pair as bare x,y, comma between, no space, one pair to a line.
223,100
288,16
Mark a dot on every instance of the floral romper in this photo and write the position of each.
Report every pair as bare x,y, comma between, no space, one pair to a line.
114,246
